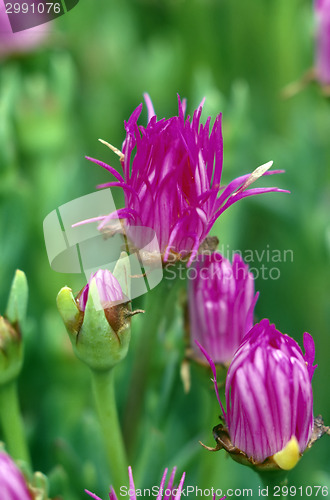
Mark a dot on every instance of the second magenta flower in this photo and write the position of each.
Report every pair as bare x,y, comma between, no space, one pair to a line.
221,305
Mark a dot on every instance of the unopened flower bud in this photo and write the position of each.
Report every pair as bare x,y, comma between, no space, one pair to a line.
11,347
269,419
97,320
221,305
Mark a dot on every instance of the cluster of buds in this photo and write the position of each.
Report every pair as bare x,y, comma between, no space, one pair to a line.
268,422
172,184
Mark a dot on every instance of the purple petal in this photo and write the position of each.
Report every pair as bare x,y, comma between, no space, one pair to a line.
214,371
95,496
309,357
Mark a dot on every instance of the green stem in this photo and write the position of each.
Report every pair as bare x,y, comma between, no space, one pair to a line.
12,424
272,479
213,469
104,393
157,304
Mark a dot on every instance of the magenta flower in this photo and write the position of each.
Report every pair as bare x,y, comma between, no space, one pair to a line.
221,305
269,396
12,483
108,287
172,173
322,9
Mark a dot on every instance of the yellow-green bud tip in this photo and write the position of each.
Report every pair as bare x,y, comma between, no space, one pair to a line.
289,456
68,309
18,296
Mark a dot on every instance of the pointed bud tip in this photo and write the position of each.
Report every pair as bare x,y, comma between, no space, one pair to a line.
67,307
64,294
18,297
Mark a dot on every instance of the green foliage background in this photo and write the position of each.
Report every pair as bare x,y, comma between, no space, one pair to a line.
81,85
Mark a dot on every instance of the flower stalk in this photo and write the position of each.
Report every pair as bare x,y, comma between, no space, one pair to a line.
98,324
12,424
159,304
105,400
11,361
271,479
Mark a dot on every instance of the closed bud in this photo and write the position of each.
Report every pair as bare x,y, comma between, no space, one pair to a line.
221,305
269,419
11,347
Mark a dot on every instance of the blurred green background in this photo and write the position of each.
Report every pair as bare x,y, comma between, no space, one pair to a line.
81,84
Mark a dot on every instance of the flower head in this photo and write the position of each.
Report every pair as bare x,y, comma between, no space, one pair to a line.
12,483
322,10
269,398
171,179
221,305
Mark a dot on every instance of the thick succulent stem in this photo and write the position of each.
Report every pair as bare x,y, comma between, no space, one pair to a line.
104,393
272,481
12,424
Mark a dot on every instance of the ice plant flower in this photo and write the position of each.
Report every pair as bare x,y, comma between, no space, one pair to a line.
221,304
322,10
269,399
12,483
172,179
97,320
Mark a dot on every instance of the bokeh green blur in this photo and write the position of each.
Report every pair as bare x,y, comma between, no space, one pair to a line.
80,85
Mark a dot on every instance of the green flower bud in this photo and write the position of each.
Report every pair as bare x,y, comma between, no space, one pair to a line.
98,319
11,347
